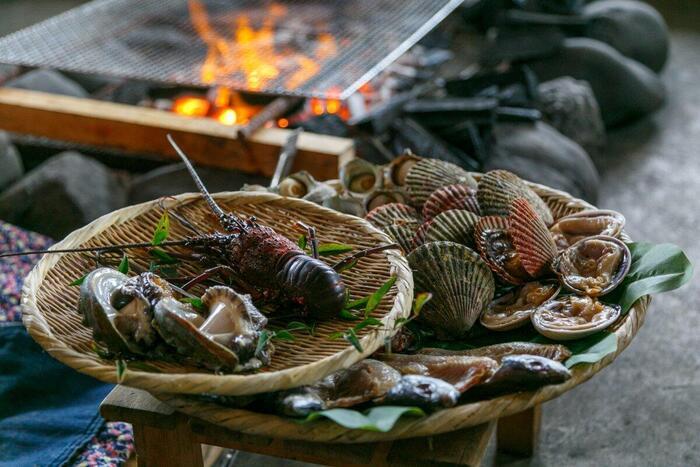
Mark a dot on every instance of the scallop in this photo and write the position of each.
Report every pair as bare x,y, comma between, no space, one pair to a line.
455,226
498,188
448,197
397,170
380,197
497,250
531,238
394,214
513,309
360,177
427,175
460,282
572,228
573,317
594,266
401,234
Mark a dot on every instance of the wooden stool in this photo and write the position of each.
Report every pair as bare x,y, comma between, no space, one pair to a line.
164,437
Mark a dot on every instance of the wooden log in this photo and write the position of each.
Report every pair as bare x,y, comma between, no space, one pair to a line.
142,131
518,434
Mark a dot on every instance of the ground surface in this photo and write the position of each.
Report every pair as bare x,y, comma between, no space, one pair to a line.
645,408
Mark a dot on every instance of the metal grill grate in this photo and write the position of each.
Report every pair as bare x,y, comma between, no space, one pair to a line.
322,48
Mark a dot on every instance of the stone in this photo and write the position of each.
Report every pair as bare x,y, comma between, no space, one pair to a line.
11,167
624,88
633,28
539,153
64,193
174,179
570,106
50,81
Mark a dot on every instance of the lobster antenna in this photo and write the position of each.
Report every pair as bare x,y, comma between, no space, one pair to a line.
223,216
122,246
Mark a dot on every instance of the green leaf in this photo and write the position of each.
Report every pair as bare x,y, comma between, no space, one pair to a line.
351,337
302,242
347,315
348,266
336,335
359,303
420,301
592,349
78,281
330,249
124,265
299,326
377,296
162,256
143,366
195,302
380,419
262,342
121,369
103,354
367,322
654,269
283,335
162,229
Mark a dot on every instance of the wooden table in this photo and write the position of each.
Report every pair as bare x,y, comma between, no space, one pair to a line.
165,437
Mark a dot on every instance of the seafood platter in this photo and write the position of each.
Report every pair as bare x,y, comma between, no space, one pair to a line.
401,300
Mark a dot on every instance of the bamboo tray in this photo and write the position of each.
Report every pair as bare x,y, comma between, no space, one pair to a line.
442,421
50,305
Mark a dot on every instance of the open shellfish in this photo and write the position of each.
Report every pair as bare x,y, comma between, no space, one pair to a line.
461,284
497,249
427,175
572,228
573,317
497,190
360,177
451,197
381,197
397,170
593,266
303,185
514,308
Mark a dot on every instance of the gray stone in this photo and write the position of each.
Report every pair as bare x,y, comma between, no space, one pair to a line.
633,28
11,168
174,179
48,81
539,153
570,106
62,194
624,88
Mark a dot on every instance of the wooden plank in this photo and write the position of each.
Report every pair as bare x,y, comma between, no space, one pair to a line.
157,447
518,434
125,404
141,130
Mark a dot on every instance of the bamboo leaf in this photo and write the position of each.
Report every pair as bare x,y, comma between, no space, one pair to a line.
359,303
420,301
377,296
330,249
162,256
351,337
367,322
302,242
124,265
162,229
348,266
593,349
283,335
347,315
78,281
121,370
262,342
195,302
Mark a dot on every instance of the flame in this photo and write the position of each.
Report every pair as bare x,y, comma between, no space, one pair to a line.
227,116
251,56
283,123
191,106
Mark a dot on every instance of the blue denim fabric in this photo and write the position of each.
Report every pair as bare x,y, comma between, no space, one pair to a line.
47,410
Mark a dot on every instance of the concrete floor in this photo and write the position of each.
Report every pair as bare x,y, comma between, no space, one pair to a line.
645,408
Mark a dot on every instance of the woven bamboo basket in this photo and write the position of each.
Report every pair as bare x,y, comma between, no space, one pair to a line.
441,421
50,305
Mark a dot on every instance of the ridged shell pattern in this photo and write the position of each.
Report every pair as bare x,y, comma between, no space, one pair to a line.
461,283
499,188
401,234
393,214
531,238
451,197
455,225
495,246
427,175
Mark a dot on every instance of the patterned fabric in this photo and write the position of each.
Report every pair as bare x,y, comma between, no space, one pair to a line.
114,442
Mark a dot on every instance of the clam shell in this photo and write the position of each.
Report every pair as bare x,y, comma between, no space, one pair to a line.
360,177
401,234
531,238
558,320
495,246
598,248
574,227
380,197
461,284
453,226
427,175
499,188
394,214
451,197
513,309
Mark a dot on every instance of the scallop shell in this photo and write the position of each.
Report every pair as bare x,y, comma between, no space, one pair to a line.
453,226
594,248
531,238
421,234
427,175
397,170
574,227
360,177
559,320
401,234
495,246
461,284
381,197
451,197
394,214
498,189
513,309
